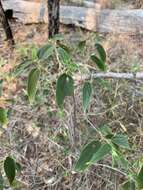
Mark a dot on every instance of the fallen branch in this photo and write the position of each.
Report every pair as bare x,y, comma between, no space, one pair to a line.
111,75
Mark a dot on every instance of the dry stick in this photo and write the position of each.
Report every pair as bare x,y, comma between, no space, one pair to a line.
110,75
74,119
6,25
73,124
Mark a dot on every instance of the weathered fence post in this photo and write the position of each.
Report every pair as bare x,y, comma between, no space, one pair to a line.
53,17
6,26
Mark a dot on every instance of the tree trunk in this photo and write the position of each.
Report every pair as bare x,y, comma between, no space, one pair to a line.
53,17
6,26
138,4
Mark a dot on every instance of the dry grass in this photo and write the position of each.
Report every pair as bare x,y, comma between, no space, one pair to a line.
40,136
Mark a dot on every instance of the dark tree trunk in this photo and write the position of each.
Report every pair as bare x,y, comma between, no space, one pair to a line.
53,16
6,26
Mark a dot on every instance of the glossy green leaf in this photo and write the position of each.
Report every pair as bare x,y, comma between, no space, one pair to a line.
101,52
121,141
101,153
3,116
101,65
140,179
129,185
65,87
32,84
86,155
9,168
87,91
45,52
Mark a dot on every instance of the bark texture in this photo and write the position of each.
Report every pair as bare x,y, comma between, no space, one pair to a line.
53,17
5,24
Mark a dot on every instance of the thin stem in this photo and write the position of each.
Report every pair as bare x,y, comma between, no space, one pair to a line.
112,168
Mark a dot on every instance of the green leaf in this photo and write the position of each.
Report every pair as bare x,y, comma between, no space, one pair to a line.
22,67
63,46
64,56
101,153
45,52
34,53
65,87
140,179
101,52
18,167
101,65
87,91
129,185
32,84
121,141
86,155
3,116
119,158
105,130
9,168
